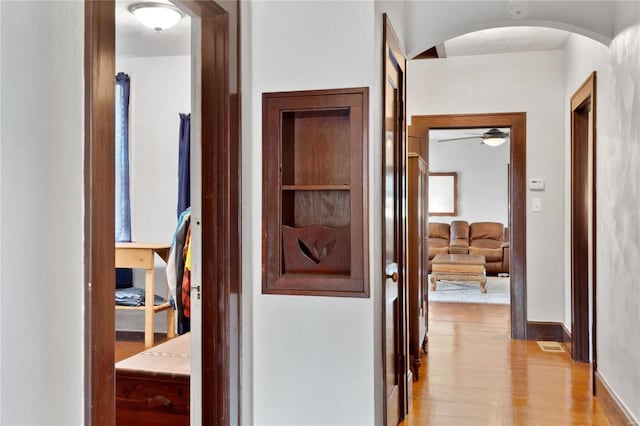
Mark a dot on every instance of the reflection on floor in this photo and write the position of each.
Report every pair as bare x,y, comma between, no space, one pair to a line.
475,374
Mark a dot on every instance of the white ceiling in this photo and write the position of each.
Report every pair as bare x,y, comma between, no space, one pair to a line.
507,40
134,39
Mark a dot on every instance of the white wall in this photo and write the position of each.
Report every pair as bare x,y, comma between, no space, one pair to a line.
313,357
618,197
534,83
41,197
582,57
483,177
160,89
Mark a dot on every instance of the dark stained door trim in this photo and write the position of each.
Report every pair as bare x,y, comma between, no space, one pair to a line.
583,220
221,228
395,404
99,201
420,126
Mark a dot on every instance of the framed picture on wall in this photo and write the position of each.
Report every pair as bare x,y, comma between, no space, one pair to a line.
443,194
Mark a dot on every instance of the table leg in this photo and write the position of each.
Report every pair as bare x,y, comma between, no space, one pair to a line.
171,319
433,281
483,284
149,299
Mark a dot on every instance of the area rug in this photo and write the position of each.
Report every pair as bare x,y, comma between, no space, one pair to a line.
469,292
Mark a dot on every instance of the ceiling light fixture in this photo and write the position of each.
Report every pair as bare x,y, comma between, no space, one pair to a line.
494,137
157,16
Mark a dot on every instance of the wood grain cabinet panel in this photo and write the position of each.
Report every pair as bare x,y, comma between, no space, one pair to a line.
417,248
314,226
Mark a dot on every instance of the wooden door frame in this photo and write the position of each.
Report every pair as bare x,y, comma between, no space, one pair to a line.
517,121
584,99
390,42
221,176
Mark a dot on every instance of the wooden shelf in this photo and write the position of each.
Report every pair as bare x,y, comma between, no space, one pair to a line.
316,187
315,184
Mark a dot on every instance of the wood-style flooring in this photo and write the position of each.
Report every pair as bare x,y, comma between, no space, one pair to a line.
474,374
131,343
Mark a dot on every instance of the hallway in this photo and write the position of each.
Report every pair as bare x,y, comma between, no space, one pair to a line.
478,376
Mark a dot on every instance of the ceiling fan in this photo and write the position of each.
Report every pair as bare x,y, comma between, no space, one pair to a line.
492,137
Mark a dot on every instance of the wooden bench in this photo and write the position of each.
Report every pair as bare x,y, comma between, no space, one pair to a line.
153,387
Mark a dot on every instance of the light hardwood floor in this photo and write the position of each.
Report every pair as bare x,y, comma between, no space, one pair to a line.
474,374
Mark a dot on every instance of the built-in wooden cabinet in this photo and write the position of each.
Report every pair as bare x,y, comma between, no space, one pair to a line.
417,250
314,193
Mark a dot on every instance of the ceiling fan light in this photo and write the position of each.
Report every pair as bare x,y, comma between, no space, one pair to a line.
494,137
491,141
157,16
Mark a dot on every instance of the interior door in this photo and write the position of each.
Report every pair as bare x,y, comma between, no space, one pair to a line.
394,230
424,245
583,223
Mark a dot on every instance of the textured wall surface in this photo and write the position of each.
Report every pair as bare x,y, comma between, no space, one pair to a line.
618,197
618,215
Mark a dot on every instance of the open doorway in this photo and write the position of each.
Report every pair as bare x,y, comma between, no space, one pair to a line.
583,223
515,123
153,103
152,207
469,195
215,195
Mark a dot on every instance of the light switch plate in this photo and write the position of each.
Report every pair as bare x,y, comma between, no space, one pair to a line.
536,205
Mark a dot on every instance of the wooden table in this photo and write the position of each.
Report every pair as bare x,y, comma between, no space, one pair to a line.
459,267
141,256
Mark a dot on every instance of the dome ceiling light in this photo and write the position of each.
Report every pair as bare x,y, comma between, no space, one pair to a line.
157,16
494,137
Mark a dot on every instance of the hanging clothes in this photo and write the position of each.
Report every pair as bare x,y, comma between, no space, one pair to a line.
186,278
176,267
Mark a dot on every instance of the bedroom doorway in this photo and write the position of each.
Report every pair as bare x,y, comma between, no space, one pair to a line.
516,123
583,223
215,122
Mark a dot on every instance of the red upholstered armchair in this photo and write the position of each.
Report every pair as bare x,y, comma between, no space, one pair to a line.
488,239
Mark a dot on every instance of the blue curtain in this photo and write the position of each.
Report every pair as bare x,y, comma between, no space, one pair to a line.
184,169
124,277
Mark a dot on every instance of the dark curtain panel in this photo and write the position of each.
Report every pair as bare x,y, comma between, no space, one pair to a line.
184,169
124,277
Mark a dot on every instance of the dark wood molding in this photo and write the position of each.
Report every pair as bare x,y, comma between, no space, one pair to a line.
421,124
99,199
583,221
550,331
611,405
221,232
430,53
221,228
393,186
